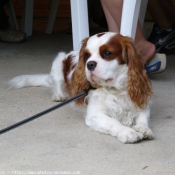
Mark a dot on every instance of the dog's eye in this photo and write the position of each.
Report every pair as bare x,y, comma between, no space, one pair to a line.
106,54
87,55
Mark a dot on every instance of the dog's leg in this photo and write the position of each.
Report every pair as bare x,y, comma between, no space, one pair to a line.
142,124
101,122
58,85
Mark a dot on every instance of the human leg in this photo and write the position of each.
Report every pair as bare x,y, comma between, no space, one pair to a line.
144,47
169,9
113,26
160,15
113,12
163,32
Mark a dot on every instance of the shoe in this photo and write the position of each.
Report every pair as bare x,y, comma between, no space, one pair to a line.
169,48
11,35
161,37
156,64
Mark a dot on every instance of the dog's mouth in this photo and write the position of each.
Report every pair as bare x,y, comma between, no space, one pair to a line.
98,79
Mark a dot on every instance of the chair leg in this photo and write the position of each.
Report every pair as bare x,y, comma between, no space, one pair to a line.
80,24
27,20
52,16
130,16
12,15
143,7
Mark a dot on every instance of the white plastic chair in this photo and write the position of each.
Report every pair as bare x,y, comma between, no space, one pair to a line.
80,24
132,11
27,17
130,14
12,15
52,16
79,15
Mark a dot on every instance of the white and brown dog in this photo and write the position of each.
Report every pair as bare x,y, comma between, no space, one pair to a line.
120,106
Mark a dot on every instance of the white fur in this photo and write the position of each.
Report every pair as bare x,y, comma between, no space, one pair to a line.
29,80
109,109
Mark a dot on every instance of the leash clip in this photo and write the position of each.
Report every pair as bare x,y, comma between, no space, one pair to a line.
90,88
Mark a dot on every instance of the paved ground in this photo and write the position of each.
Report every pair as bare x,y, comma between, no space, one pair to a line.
59,142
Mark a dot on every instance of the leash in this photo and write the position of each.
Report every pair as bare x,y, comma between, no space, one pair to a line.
80,95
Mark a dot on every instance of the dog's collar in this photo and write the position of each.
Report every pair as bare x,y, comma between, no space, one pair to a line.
95,86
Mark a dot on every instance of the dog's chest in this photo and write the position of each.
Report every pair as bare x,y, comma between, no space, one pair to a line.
116,104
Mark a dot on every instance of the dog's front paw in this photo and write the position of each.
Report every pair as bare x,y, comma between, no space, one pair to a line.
129,135
57,98
147,133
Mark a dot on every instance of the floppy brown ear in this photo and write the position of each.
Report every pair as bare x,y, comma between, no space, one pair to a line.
79,81
139,85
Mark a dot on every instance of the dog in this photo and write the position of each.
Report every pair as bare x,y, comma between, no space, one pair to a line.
120,104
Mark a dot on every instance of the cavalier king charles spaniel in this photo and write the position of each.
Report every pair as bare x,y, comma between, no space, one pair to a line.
119,105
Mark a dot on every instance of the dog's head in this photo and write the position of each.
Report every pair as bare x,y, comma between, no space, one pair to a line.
111,60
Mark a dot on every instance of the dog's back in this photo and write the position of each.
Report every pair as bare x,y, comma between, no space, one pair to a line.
54,80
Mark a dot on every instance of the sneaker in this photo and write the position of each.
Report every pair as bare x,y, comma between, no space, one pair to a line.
157,64
161,37
11,35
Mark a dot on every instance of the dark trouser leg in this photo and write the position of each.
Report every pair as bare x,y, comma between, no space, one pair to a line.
3,17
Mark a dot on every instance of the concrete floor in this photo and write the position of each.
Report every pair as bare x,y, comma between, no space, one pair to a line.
60,142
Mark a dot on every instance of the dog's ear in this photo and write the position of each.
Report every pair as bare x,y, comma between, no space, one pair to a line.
79,77
139,85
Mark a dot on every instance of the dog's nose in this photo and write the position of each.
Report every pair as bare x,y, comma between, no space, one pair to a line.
91,65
